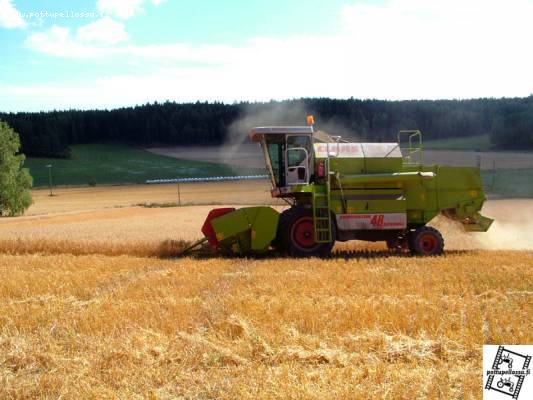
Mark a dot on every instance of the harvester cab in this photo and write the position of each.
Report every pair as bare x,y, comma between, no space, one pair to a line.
288,153
341,191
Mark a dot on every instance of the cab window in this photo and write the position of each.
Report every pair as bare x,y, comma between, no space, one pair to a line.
295,158
275,148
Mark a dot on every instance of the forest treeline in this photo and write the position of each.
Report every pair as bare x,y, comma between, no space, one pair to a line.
509,121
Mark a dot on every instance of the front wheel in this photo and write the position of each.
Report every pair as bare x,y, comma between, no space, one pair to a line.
296,234
426,241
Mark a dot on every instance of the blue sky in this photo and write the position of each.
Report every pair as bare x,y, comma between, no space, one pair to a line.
126,52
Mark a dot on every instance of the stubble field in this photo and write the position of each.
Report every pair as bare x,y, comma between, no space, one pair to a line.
90,307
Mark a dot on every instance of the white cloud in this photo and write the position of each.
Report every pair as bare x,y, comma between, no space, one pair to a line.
58,42
394,50
122,9
104,31
434,49
91,40
9,15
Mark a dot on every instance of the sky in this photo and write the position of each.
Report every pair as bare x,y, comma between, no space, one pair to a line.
97,54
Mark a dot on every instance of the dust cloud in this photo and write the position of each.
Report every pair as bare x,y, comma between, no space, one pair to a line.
506,236
238,142
511,230
275,114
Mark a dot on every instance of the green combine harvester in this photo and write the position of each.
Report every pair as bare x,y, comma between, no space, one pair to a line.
340,191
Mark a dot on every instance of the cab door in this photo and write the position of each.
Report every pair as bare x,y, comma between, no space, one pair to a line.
298,159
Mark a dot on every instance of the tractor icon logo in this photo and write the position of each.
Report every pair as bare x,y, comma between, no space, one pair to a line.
506,359
508,372
506,382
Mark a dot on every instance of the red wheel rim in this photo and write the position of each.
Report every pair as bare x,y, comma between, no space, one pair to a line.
428,243
303,233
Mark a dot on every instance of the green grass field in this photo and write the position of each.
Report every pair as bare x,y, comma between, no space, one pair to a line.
118,164
478,143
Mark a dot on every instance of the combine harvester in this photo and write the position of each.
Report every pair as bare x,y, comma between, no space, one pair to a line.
340,191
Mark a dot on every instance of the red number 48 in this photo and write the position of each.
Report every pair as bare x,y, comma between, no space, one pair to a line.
377,220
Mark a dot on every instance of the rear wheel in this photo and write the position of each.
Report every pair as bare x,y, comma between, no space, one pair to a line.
426,241
296,234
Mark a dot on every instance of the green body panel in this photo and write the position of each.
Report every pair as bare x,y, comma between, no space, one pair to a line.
246,230
351,201
377,179
421,191
378,165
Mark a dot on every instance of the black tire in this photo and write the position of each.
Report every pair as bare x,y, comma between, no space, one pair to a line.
295,235
426,241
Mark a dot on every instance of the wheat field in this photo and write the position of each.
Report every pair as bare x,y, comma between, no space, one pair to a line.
72,199
363,327
92,307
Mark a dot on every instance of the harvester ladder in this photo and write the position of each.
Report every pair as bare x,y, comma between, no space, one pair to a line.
321,213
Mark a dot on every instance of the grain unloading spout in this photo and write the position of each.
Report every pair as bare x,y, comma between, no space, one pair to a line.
477,223
472,221
460,197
